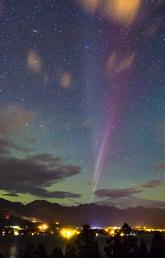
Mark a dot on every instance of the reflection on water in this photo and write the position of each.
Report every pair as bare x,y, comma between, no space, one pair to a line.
13,251
9,249
10,246
2,248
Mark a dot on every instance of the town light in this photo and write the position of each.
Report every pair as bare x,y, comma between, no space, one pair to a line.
43,227
68,233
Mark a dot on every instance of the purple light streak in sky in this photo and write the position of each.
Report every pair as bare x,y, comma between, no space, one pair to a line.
108,135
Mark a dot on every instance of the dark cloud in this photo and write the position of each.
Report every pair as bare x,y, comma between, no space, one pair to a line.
149,203
116,193
133,201
56,194
33,174
5,147
11,194
44,159
136,201
127,192
127,197
152,184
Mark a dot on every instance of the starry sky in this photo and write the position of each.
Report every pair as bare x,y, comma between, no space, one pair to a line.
82,101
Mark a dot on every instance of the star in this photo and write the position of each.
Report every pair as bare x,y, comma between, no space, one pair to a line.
27,124
35,31
87,46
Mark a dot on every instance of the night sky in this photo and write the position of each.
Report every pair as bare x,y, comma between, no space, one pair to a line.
82,101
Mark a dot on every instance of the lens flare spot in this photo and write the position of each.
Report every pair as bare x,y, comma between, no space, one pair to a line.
123,11
34,62
66,80
90,5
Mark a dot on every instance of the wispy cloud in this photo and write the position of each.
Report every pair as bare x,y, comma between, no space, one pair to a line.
91,5
117,193
13,117
117,63
34,62
120,11
7,146
133,201
66,80
153,184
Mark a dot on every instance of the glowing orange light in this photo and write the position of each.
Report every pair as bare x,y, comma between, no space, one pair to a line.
34,62
43,227
68,233
121,11
66,80
124,11
90,5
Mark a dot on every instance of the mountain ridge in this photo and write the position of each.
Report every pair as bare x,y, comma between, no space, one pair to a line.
94,214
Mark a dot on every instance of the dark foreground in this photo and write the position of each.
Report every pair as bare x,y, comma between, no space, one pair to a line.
85,245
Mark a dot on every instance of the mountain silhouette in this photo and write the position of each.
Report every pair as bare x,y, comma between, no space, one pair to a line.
93,214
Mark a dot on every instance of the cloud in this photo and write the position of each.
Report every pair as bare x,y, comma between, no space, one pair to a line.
127,197
10,194
6,147
120,11
46,159
133,201
152,184
125,63
13,118
66,80
55,194
33,174
116,193
91,5
34,62
30,139
149,203
128,192
111,60
118,64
